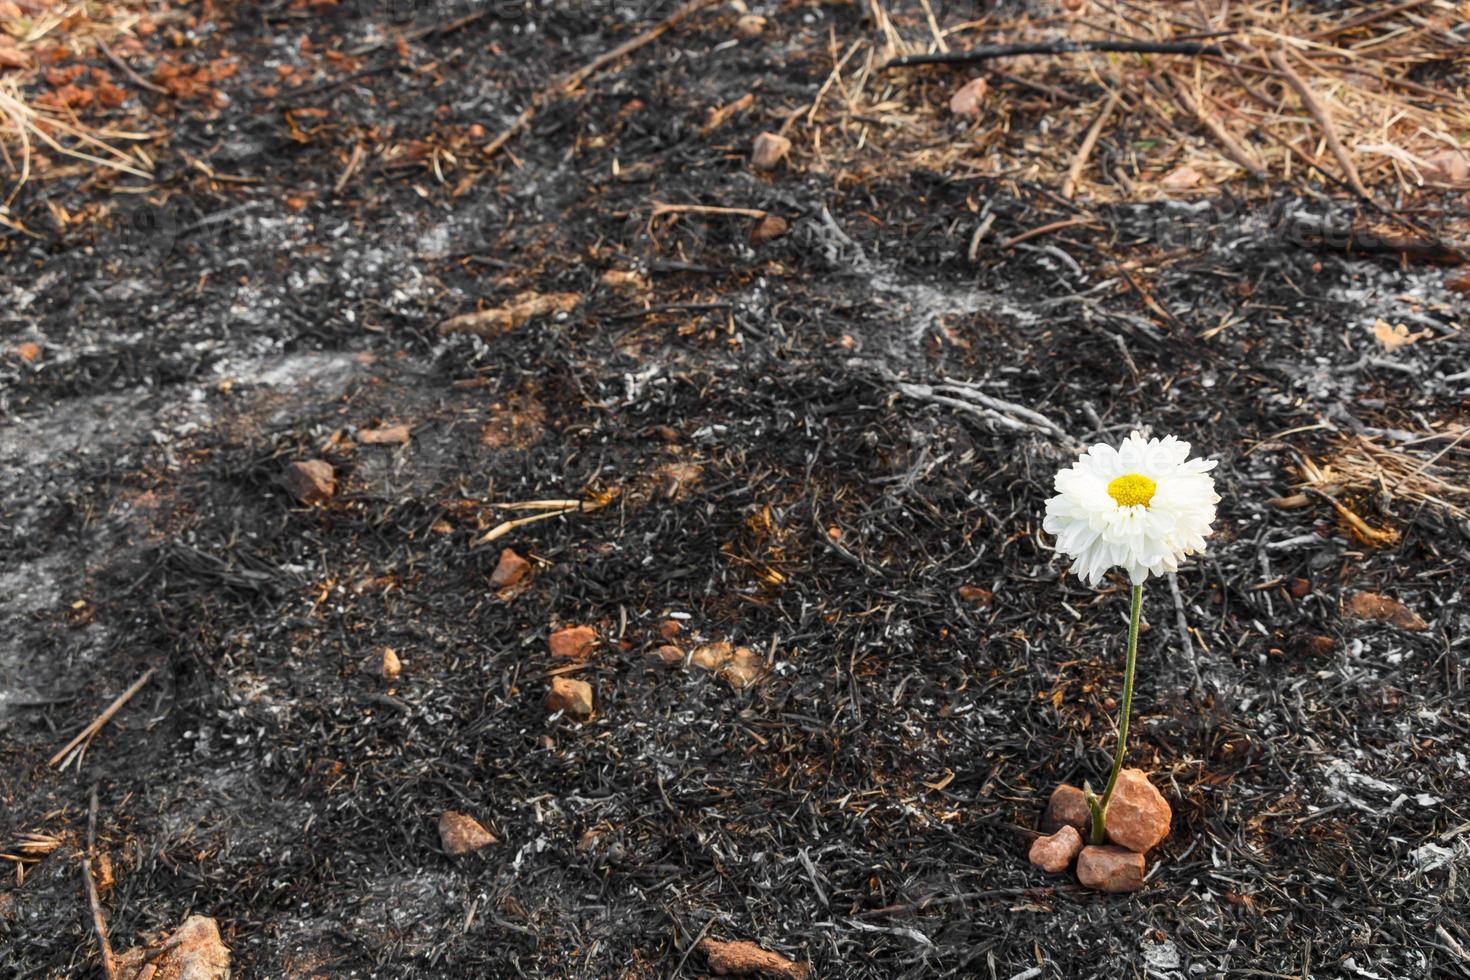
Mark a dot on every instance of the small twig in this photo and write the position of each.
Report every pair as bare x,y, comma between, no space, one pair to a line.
1074,172
354,159
1037,419
833,77
661,208
446,27
1329,132
132,76
572,80
558,508
980,896
102,719
505,527
539,505
1454,946
693,946
1233,148
1006,414
981,230
987,52
671,308
934,30
1148,299
1046,229
99,924
1186,647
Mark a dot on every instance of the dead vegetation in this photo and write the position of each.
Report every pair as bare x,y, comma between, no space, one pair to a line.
1401,472
1284,95
675,390
1286,92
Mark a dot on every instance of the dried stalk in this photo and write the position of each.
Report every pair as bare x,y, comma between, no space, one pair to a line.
1074,172
1233,149
1329,131
99,924
96,724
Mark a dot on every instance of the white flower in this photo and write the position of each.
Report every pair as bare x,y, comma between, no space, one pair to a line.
1142,506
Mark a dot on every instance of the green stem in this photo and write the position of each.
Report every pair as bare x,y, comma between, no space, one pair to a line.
1100,810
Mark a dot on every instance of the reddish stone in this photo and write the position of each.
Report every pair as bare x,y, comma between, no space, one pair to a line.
391,435
769,228
1066,808
570,696
668,655
769,150
1447,167
742,959
10,55
509,570
389,665
194,952
311,480
711,656
1105,868
750,26
976,595
1055,852
1138,815
573,642
742,669
1318,645
1381,609
968,99
462,834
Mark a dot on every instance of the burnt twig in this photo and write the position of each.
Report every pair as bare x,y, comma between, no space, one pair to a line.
991,51
96,724
99,924
572,80
131,75
969,399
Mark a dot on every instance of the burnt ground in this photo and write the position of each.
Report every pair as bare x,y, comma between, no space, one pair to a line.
868,803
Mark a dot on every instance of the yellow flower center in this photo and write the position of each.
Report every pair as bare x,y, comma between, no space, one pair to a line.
1132,489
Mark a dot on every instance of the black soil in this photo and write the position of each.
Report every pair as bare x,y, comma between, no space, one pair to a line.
866,805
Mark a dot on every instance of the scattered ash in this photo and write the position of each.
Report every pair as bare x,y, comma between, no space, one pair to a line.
866,805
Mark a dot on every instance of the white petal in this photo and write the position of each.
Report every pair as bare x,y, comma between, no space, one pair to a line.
1144,540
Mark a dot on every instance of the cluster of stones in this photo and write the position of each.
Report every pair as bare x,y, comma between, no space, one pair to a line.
1137,821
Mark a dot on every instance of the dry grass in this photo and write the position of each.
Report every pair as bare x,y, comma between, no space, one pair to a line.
1430,470
1185,124
24,127
31,130
1376,100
